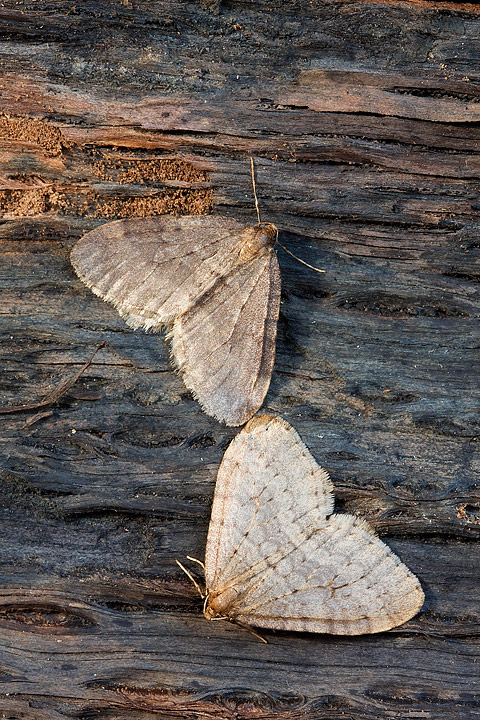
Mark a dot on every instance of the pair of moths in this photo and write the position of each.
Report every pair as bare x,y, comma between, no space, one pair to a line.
276,556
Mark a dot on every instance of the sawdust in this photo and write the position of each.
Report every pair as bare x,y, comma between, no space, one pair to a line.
32,130
85,202
134,171
25,203
469,513
176,202
38,201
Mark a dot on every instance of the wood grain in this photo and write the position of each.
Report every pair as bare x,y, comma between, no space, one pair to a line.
363,121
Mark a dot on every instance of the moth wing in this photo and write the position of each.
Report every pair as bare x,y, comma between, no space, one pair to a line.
275,560
224,345
267,474
153,269
342,580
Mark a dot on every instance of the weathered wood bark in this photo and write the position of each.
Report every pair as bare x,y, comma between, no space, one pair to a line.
363,119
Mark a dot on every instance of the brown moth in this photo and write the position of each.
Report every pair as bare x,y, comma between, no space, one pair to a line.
213,280
278,557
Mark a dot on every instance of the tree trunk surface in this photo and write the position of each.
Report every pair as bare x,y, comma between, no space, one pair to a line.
363,119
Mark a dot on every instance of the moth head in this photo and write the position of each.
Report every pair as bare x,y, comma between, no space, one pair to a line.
258,240
218,604
210,612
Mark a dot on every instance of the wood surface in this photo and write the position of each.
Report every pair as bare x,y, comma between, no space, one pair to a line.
363,119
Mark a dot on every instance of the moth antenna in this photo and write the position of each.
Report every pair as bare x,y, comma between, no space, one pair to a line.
240,625
202,565
252,169
190,576
312,267
257,635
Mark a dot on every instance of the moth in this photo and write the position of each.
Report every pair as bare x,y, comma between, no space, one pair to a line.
212,281
277,556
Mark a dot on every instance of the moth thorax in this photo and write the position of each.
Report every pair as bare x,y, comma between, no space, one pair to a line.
219,603
258,240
